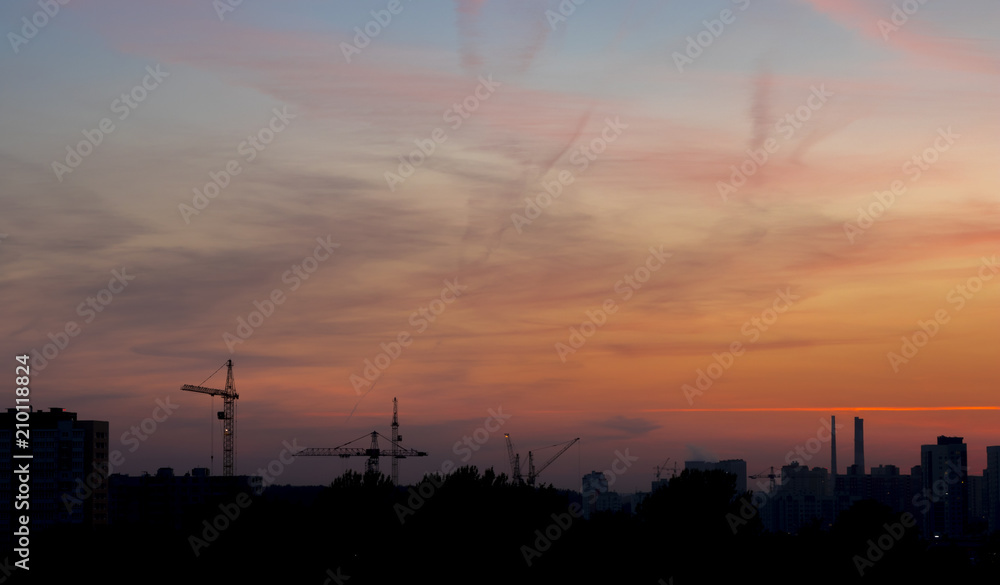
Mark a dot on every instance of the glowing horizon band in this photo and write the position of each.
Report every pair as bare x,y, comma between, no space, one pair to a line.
831,409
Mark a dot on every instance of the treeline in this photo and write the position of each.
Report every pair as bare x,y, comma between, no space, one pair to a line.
479,527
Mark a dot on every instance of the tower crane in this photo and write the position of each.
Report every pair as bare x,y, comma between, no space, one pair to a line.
660,468
764,473
396,438
227,415
373,452
515,461
533,473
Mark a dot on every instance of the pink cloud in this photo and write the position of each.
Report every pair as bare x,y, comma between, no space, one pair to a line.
926,43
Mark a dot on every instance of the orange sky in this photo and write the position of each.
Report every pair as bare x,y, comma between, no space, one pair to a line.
643,249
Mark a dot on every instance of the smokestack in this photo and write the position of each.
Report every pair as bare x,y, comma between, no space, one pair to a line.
833,445
859,444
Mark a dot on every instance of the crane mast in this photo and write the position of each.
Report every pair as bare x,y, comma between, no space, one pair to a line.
227,415
371,466
661,468
533,474
771,476
396,438
515,461
373,452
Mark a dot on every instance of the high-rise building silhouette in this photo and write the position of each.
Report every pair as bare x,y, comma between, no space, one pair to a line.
66,453
833,445
804,495
944,467
859,445
993,488
976,498
889,487
737,467
595,486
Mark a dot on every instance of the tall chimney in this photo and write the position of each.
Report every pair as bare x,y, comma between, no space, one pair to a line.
859,444
833,445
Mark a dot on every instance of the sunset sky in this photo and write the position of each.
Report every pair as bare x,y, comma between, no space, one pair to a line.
580,315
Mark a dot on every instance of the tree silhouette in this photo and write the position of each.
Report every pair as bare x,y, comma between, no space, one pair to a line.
686,524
